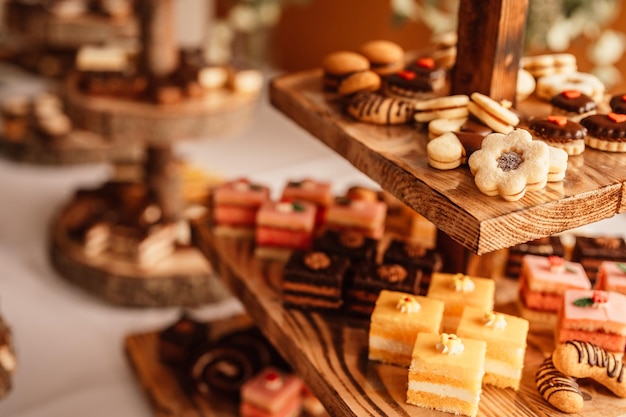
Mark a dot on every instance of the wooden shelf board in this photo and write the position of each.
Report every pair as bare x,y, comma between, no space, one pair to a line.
330,351
395,157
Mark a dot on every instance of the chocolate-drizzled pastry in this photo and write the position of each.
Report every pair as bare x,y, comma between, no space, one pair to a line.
606,132
618,103
560,132
371,107
560,390
573,104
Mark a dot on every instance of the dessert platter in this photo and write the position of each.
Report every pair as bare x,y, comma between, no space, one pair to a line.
395,155
142,254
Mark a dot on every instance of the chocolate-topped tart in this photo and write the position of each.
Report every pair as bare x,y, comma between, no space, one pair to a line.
573,104
606,132
421,79
560,132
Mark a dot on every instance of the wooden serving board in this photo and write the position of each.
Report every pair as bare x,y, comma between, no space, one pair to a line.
184,278
330,351
395,157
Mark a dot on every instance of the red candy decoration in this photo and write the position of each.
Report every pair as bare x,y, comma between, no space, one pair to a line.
599,297
617,117
426,62
406,74
557,120
572,93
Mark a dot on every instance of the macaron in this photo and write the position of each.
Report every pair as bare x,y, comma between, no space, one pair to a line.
359,81
341,64
385,57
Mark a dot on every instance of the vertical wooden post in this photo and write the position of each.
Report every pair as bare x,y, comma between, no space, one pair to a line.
159,56
163,180
490,43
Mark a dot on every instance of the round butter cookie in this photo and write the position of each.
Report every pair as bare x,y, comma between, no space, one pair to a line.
547,64
447,107
560,132
339,65
606,132
551,85
445,152
526,84
385,57
492,113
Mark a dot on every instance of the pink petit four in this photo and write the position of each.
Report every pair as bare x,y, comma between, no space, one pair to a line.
316,192
594,316
612,276
235,205
358,215
542,282
271,393
283,226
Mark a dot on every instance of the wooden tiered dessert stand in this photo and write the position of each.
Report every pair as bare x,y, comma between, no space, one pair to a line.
47,44
184,278
330,353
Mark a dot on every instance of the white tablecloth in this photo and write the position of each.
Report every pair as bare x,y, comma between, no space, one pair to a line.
68,342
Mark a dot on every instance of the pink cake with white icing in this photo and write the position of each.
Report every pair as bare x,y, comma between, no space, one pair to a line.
612,276
594,316
271,393
282,226
316,192
542,282
235,205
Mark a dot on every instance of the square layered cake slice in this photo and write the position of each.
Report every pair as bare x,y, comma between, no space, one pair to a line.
363,289
395,322
314,280
409,252
316,192
446,373
458,291
283,226
235,205
591,251
505,336
542,282
612,277
362,216
594,316
271,393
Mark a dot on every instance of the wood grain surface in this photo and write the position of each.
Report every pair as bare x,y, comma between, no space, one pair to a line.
395,157
184,278
330,351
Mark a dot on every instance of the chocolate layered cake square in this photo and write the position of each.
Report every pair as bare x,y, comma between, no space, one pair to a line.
591,251
364,289
410,253
313,279
545,246
355,246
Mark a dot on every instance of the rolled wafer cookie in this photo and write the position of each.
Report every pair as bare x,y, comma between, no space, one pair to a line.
561,391
587,360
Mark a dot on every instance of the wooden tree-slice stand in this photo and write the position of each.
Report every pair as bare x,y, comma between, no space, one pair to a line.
331,350
35,25
77,147
156,128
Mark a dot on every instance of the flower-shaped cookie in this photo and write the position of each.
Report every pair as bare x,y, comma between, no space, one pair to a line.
510,165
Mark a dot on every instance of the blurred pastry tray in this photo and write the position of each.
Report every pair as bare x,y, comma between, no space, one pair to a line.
330,351
395,157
